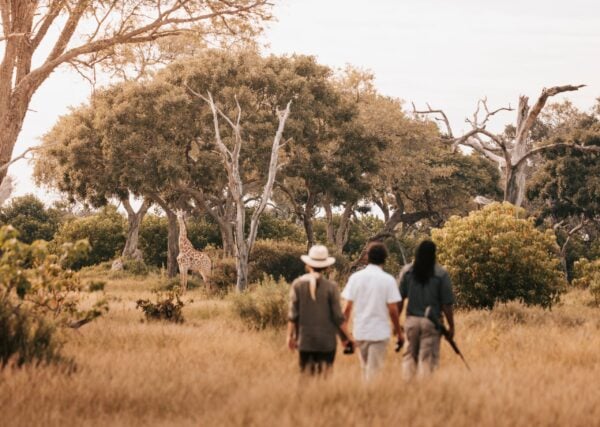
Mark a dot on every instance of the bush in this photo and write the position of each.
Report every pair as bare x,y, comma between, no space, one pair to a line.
29,216
26,337
274,228
135,267
35,301
224,273
494,256
96,285
263,305
277,259
105,232
167,307
587,275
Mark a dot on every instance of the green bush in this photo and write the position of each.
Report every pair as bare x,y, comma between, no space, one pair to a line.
29,216
96,285
224,274
167,307
25,337
587,275
135,267
495,255
37,296
274,228
277,259
105,232
263,305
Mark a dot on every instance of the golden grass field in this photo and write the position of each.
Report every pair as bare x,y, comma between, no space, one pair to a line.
530,368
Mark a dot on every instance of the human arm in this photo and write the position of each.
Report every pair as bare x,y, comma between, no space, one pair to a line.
449,314
292,335
393,310
293,315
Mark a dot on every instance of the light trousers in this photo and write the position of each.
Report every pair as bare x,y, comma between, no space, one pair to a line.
422,354
372,357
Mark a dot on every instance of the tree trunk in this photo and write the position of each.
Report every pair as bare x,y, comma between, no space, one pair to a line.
172,244
241,263
329,218
516,184
343,231
134,220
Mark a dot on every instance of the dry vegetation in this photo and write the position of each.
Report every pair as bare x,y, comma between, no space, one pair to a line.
530,367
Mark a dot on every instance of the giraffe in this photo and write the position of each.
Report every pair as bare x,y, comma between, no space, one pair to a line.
190,258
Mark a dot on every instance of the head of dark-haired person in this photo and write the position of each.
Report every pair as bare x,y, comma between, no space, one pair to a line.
424,265
377,253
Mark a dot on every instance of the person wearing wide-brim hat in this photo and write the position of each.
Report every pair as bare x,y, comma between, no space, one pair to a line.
315,315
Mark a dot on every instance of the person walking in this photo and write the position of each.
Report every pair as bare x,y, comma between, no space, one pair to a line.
315,315
373,295
424,283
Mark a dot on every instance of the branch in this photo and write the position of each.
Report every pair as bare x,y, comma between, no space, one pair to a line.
527,118
440,112
584,148
24,153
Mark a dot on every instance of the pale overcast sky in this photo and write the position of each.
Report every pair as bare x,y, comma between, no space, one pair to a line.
447,53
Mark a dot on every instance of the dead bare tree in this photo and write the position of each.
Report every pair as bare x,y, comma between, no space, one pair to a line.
512,155
90,33
243,241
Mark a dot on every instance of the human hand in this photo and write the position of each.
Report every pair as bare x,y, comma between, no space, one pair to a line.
399,341
292,343
451,331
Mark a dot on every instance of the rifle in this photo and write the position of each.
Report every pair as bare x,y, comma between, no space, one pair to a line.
440,327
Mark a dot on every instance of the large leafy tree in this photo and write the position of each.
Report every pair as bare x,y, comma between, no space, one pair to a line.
29,216
565,189
85,33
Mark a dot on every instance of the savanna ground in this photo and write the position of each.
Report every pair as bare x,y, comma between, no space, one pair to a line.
529,367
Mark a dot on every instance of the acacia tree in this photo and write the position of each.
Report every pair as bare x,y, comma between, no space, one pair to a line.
511,151
565,186
128,141
92,32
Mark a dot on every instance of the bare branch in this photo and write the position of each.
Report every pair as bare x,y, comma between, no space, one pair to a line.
543,148
440,112
527,118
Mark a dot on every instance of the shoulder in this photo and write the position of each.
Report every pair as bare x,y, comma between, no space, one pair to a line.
440,271
406,269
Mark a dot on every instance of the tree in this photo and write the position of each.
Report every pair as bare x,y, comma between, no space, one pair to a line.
29,216
420,179
495,255
565,186
513,150
93,32
230,156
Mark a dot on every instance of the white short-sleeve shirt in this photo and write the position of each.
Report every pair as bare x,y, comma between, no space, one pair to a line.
370,291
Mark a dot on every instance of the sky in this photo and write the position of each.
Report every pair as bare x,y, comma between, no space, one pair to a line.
445,53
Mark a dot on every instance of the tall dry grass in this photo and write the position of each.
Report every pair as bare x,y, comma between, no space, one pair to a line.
530,367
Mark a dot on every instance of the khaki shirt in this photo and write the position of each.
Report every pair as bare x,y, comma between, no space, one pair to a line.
318,320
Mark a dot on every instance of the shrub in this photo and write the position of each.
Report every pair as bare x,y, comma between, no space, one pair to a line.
35,301
277,259
274,228
167,307
264,304
26,337
494,255
587,275
224,273
29,216
135,267
96,285
105,232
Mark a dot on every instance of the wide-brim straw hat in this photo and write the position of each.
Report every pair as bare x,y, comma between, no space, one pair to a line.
318,257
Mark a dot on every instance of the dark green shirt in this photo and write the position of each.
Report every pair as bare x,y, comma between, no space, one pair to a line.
318,320
435,293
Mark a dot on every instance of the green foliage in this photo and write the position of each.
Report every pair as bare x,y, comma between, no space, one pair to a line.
25,337
29,216
105,232
587,275
35,301
167,307
263,305
135,267
96,285
277,259
495,255
275,228
224,273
